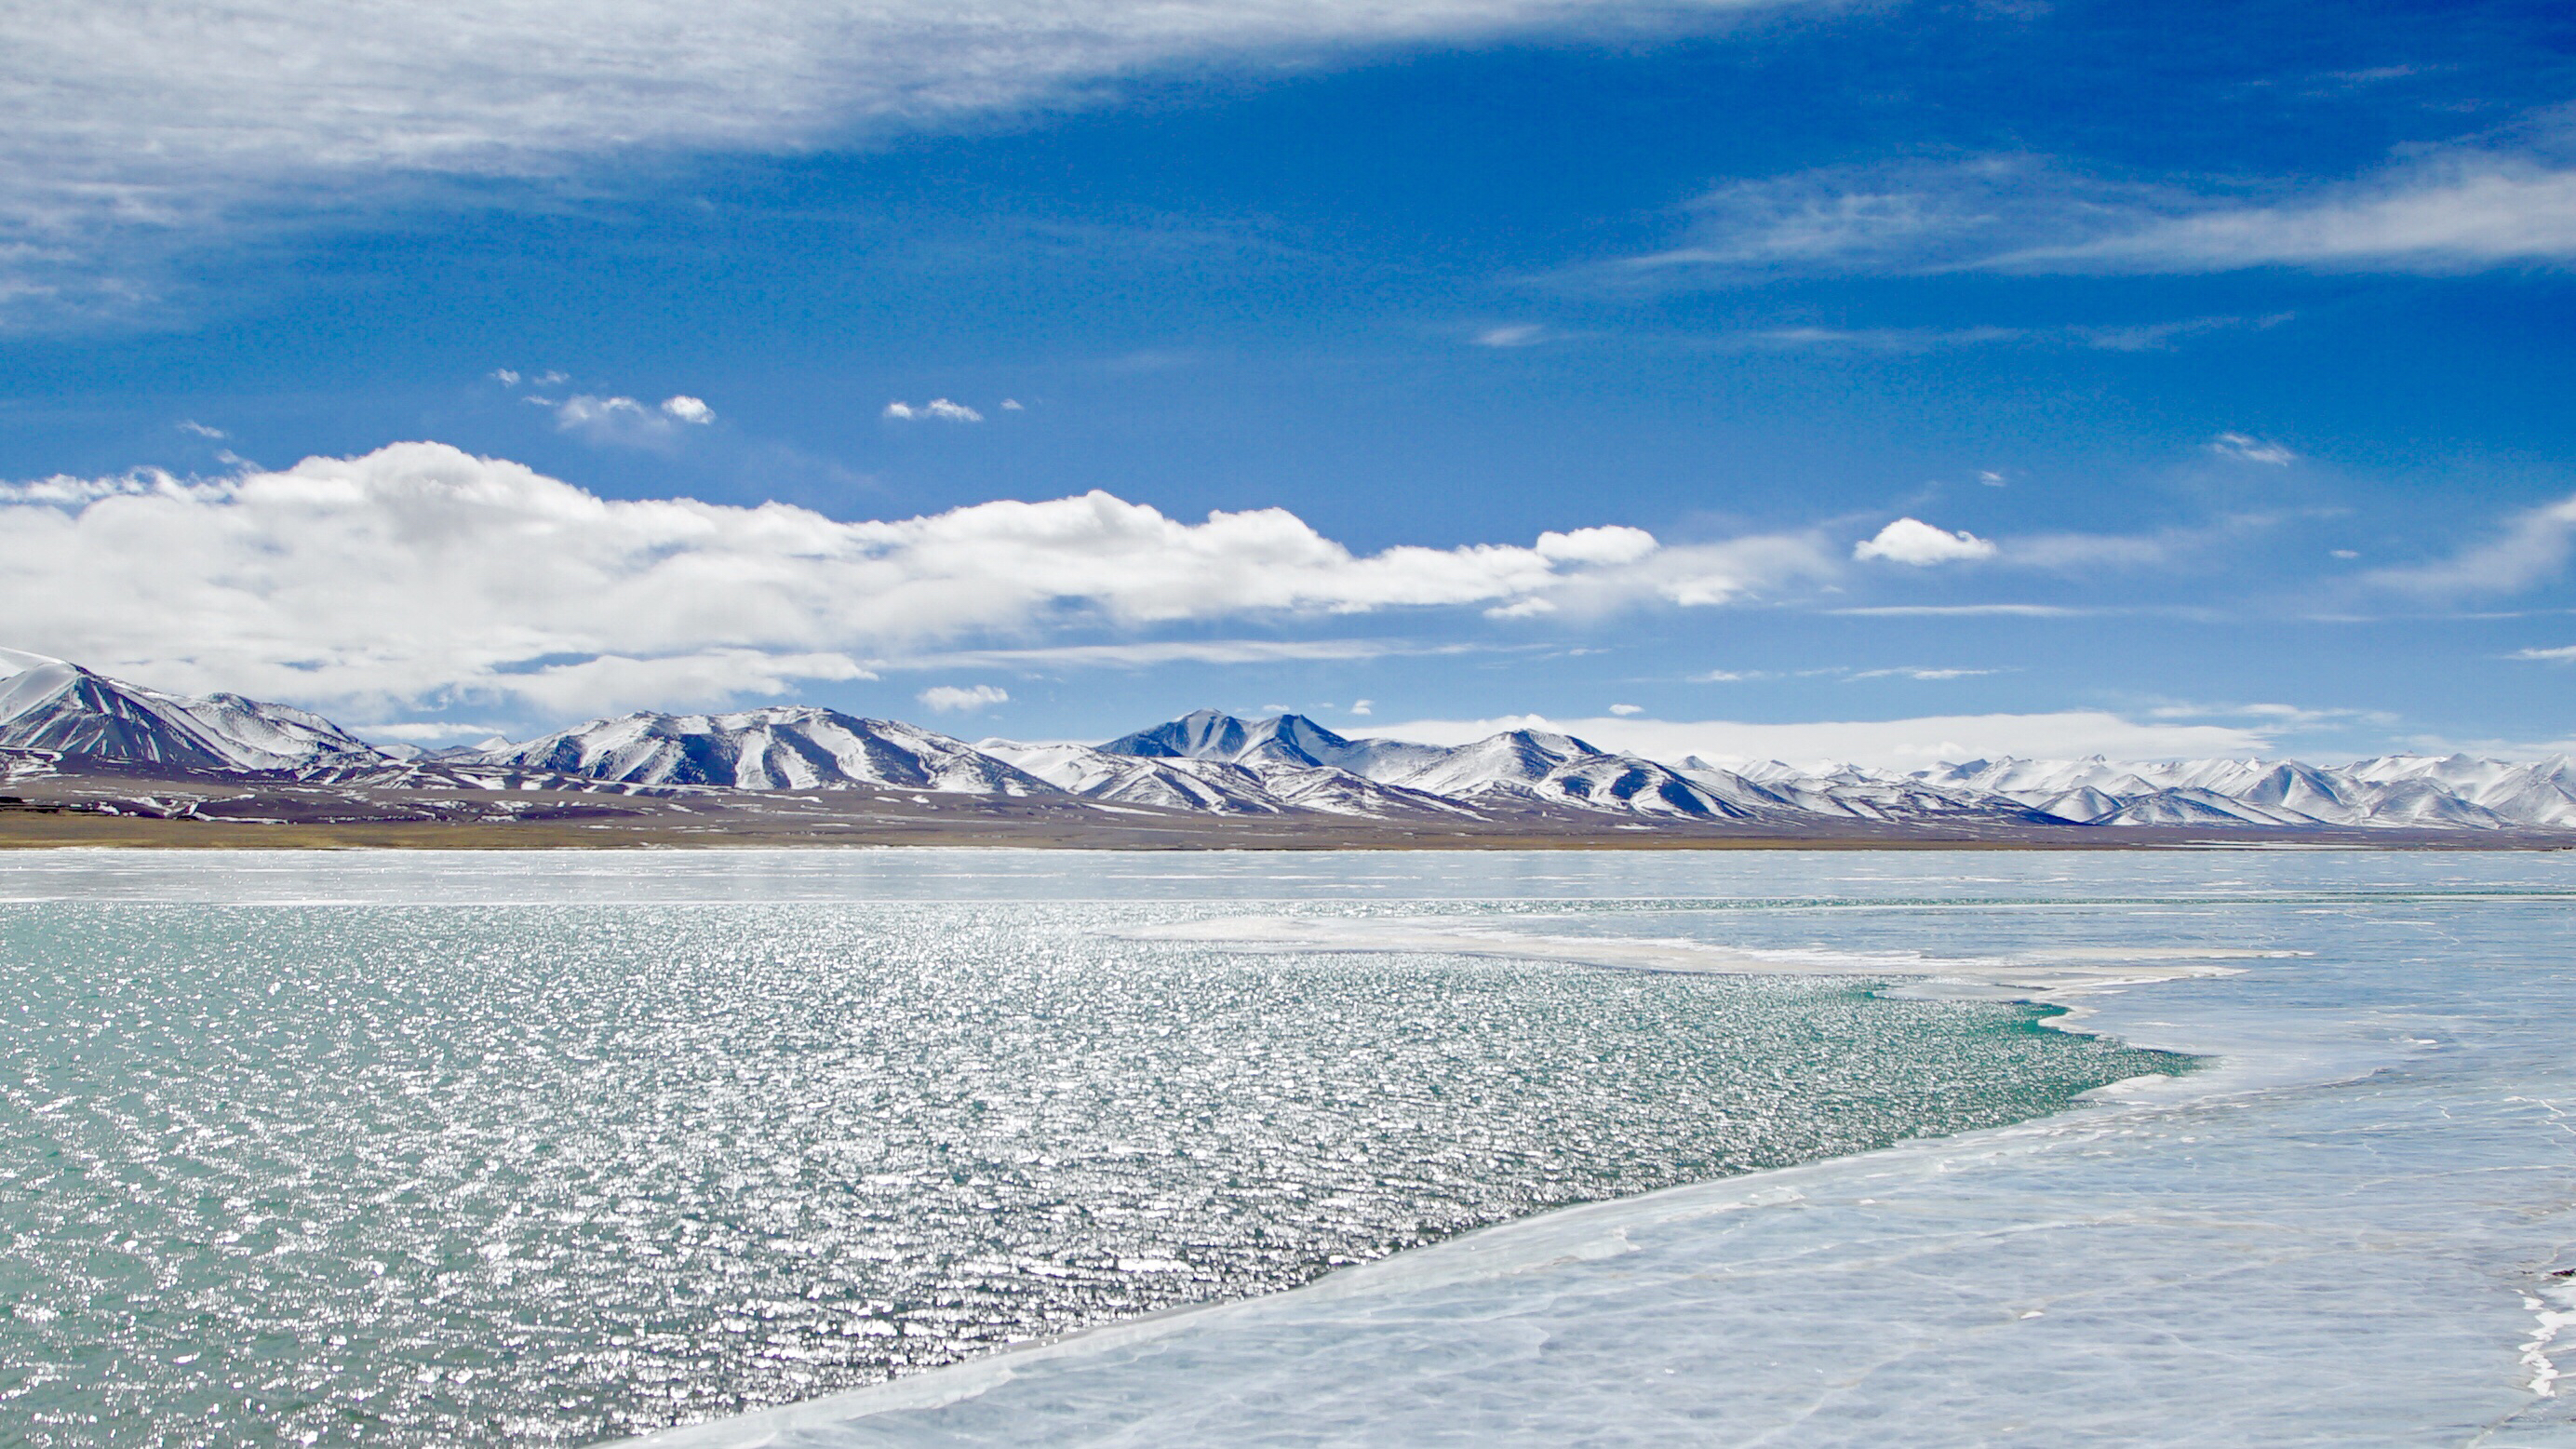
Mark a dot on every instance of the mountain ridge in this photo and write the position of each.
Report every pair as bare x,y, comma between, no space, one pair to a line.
1217,765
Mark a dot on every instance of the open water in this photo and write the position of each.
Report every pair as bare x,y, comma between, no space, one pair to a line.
399,1149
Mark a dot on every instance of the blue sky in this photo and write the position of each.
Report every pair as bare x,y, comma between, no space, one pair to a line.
2218,355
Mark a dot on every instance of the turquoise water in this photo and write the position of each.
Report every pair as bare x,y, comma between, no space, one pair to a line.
403,1150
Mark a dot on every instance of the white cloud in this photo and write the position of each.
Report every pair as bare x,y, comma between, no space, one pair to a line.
949,699
938,407
621,420
1517,334
1990,478
1912,541
191,425
432,730
1921,674
1847,218
2247,449
505,377
2534,547
688,409
1731,676
1362,706
1607,545
1962,611
1011,405
1148,654
1625,710
133,113
420,571
2454,213
2565,654
1893,744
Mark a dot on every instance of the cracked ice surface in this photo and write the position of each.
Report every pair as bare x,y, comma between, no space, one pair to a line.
2349,1231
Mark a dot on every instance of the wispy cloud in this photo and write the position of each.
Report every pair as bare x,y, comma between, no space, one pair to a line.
1961,611
1149,654
1920,674
2458,210
2246,448
1898,743
191,425
2129,337
2564,654
2457,213
128,116
2533,547
951,699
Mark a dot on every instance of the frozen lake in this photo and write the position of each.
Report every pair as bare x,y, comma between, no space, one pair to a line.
404,1149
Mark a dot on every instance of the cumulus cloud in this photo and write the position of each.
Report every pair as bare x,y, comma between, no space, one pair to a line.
1892,744
1912,541
950,699
1625,710
1362,706
2245,448
2533,547
419,571
624,420
1613,544
938,407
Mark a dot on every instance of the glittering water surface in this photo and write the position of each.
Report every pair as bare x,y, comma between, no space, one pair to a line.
406,1170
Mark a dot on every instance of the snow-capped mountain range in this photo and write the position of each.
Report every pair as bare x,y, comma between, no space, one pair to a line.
1216,764
50,705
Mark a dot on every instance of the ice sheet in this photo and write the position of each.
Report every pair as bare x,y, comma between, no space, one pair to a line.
2350,1232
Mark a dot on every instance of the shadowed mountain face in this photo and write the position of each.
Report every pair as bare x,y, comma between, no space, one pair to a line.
1215,764
1288,739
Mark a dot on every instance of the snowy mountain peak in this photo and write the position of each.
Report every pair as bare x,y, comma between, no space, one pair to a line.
781,747
1209,734
1210,762
53,705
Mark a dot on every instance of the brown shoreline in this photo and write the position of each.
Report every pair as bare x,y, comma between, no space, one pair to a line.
33,831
